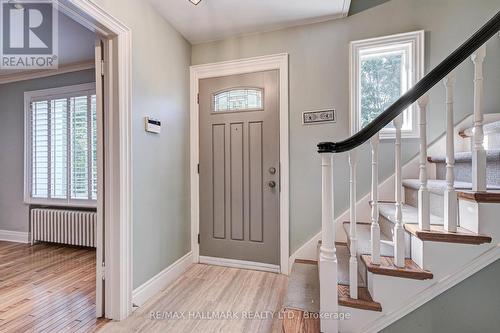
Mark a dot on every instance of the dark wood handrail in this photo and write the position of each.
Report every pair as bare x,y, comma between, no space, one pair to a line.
418,90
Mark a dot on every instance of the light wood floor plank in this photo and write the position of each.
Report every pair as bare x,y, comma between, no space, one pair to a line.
248,295
47,288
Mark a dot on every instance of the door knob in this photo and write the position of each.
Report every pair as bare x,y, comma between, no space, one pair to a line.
272,184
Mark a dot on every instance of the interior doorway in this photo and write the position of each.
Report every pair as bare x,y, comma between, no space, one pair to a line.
52,235
112,210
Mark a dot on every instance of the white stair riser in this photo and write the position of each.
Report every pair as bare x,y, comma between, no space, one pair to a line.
471,212
436,201
387,290
441,257
387,227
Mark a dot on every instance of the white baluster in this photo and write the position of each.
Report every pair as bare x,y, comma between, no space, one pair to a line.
375,228
328,258
424,212
450,196
399,233
478,152
353,261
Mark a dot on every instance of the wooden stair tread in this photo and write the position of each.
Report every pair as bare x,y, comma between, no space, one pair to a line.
306,261
364,301
387,267
439,234
483,197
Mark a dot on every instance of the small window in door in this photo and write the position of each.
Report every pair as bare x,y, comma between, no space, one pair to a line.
238,99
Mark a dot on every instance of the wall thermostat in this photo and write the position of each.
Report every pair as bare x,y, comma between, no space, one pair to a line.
318,117
152,125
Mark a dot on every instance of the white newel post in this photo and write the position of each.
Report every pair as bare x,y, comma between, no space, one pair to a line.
399,233
478,152
424,212
353,261
450,196
327,257
375,228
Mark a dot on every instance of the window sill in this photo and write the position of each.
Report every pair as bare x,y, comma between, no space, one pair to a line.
62,204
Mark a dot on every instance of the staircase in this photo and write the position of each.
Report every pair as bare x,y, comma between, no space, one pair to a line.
440,227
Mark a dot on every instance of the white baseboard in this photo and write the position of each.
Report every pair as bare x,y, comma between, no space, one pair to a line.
14,236
259,266
434,290
307,251
162,280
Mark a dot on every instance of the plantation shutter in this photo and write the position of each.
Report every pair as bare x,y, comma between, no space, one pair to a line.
63,145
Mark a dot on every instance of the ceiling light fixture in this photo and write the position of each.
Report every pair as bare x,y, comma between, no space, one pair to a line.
195,2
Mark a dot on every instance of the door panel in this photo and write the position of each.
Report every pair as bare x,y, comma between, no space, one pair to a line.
256,181
239,167
219,182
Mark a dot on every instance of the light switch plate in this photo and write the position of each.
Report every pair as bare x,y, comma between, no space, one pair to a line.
318,117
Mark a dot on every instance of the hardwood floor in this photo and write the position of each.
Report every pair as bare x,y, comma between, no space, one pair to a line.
296,321
250,300
47,288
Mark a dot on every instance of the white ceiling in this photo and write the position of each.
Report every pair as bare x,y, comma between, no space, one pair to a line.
76,43
218,19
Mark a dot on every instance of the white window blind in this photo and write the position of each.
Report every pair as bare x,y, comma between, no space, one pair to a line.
62,146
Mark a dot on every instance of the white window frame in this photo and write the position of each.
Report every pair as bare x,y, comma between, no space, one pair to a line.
414,43
29,97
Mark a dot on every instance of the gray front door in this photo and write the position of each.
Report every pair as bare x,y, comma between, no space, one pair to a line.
239,167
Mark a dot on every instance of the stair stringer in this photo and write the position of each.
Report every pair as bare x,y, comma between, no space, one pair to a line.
390,290
450,263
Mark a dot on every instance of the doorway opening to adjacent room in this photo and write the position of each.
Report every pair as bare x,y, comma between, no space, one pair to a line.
74,209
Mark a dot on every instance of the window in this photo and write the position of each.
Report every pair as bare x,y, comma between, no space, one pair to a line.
61,146
383,69
239,99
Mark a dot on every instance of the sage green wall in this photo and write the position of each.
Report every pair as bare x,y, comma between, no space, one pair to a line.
14,213
470,306
319,78
160,88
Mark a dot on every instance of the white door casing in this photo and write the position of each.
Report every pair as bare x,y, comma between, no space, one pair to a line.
242,66
117,152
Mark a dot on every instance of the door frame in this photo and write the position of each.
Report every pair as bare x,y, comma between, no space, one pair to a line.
117,199
235,67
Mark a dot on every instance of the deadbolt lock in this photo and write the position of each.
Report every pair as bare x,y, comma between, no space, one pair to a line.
272,170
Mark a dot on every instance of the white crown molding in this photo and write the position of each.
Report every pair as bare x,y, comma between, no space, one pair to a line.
345,8
14,236
30,75
162,280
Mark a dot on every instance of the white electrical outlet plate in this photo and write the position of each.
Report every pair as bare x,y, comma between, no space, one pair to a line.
318,117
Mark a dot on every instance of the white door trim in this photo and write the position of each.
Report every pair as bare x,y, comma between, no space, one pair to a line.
233,67
117,152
